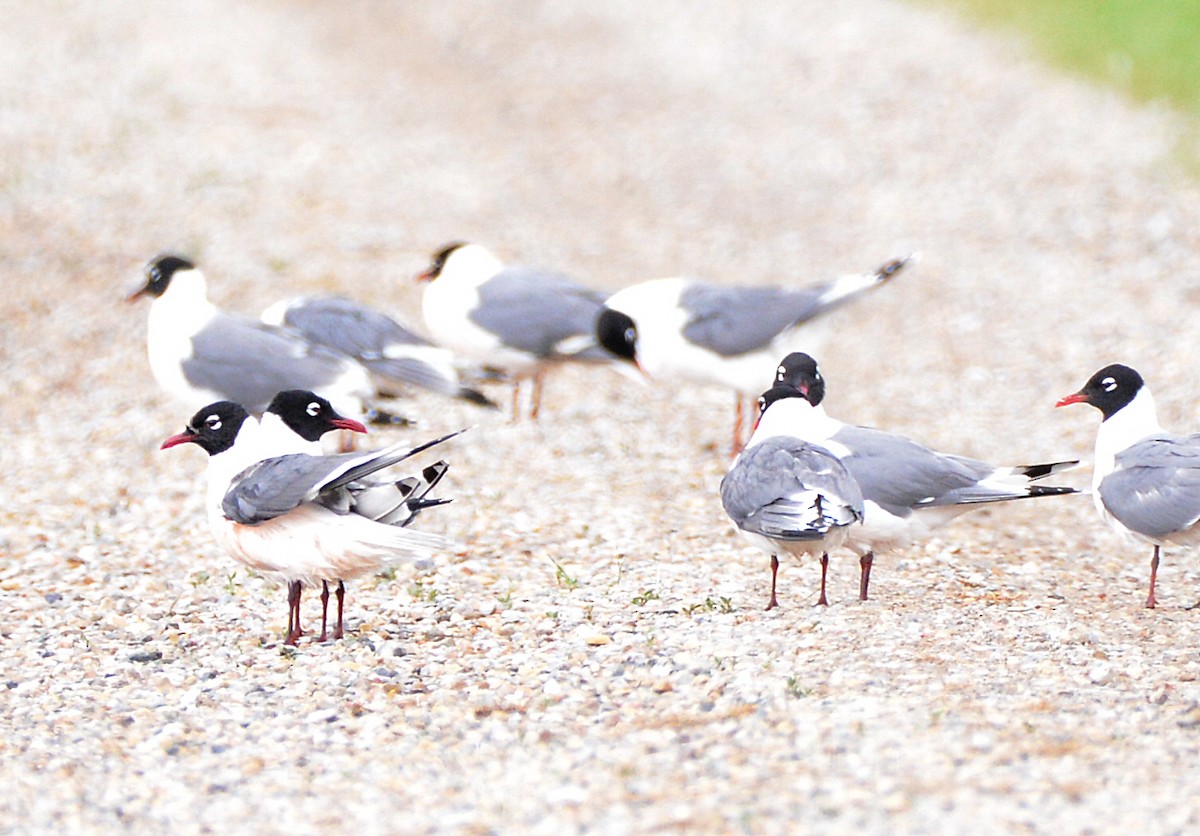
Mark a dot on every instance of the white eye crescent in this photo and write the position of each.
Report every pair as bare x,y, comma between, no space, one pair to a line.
213,422
1109,384
314,409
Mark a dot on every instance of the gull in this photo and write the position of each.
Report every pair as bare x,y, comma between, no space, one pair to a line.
289,516
520,320
787,496
908,489
200,353
683,329
1145,480
294,422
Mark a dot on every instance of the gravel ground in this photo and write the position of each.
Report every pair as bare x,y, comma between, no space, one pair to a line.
595,655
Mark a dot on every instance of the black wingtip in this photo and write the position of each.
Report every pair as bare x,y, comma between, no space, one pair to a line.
893,268
381,417
478,398
1051,490
1041,471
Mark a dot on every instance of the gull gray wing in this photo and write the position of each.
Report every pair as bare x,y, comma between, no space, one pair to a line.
735,320
347,326
386,347
275,486
900,475
787,489
248,362
543,312
1155,490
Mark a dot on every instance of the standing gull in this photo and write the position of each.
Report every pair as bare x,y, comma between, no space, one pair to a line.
689,330
199,353
519,320
908,490
1145,480
787,496
294,422
288,516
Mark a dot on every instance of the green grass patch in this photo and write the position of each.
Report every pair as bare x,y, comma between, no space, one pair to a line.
1150,49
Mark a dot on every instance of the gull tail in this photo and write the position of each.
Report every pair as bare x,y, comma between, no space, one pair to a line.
845,288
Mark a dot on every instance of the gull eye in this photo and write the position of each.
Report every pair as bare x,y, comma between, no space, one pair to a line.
1109,384
630,335
314,409
212,422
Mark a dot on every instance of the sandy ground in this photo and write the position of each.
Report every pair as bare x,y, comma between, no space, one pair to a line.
595,655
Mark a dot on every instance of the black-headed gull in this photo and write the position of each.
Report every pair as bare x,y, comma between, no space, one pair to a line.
908,489
294,422
1145,480
519,320
287,516
787,496
688,330
390,351
199,353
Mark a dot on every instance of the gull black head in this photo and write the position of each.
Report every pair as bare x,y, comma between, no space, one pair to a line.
439,261
1109,390
779,392
158,272
215,427
309,415
800,371
617,332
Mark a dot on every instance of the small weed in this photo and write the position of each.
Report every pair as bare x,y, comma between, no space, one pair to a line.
552,615
505,599
795,690
199,579
420,593
561,576
231,584
646,596
388,574
724,605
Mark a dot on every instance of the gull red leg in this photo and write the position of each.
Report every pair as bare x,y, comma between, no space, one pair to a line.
294,632
864,579
823,601
324,608
516,401
772,604
539,378
341,599
1151,602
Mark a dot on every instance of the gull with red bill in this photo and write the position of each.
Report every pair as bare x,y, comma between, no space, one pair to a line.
1145,480
290,516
